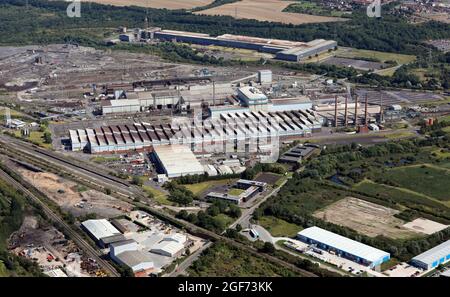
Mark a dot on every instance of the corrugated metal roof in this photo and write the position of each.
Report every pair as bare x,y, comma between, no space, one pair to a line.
178,160
344,244
434,254
135,258
171,247
100,228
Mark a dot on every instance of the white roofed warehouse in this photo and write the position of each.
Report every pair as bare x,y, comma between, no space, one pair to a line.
343,246
168,248
432,258
99,229
177,160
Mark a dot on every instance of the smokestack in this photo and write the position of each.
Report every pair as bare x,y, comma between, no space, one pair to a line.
381,107
346,111
335,111
356,110
214,93
366,120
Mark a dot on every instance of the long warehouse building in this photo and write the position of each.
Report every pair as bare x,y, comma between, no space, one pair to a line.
283,49
434,257
229,131
343,246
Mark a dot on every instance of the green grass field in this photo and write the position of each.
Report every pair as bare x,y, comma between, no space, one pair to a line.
427,180
222,260
235,191
102,159
382,56
398,195
199,188
226,220
158,195
278,227
36,137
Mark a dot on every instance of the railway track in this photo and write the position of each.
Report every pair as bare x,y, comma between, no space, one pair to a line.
88,249
28,152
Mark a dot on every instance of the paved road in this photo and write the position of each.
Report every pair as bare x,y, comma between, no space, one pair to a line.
244,220
265,236
89,250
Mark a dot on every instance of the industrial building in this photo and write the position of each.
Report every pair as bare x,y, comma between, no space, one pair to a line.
100,229
168,248
343,246
283,49
265,76
287,104
177,160
252,97
126,253
297,154
169,95
245,184
228,132
344,113
245,196
251,189
434,257
311,49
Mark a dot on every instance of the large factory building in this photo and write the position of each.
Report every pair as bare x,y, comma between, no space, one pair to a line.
432,258
177,160
283,49
343,246
313,48
226,132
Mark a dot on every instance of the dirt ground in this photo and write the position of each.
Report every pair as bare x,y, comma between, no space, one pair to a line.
266,10
47,246
73,198
365,217
425,226
169,4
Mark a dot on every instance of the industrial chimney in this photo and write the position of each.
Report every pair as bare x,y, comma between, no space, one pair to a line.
335,111
346,111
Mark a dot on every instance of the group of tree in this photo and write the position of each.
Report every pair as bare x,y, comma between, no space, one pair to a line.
179,193
208,219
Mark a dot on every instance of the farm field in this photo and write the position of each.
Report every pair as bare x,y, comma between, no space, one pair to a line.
398,195
382,56
278,227
365,217
168,4
266,10
431,181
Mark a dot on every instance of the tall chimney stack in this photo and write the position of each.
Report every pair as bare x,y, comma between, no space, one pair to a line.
366,120
335,111
346,111
356,110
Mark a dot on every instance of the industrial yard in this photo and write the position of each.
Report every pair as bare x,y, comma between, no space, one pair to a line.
161,151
